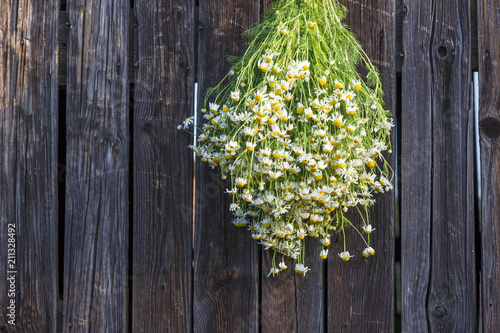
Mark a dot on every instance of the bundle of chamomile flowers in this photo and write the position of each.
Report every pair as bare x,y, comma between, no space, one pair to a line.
299,132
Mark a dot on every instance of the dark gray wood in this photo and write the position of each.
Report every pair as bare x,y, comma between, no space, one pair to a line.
416,157
438,271
226,260
361,292
292,302
28,164
64,27
162,236
489,131
97,162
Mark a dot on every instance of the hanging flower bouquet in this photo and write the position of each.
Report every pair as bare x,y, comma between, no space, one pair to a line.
298,131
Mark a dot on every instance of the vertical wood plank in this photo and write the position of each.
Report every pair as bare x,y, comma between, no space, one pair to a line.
96,239
361,291
451,302
28,164
292,302
489,127
162,168
438,271
416,166
226,267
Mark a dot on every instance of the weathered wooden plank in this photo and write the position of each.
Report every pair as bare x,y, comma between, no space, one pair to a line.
291,302
96,239
163,172
489,127
64,28
438,277
28,165
451,302
361,292
226,267
415,167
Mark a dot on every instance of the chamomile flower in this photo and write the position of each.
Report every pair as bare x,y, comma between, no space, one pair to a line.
260,95
240,222
240,181
301,269
345,256
213,107
273,271
250,145
368,229
235,95
187,122
325,241
356,84
232,191
368,252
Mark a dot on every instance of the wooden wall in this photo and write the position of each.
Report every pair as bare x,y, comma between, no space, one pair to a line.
99,185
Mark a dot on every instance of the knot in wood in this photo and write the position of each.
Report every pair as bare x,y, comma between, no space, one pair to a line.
442,52
222,279
439,312
490,127
115,150
147,127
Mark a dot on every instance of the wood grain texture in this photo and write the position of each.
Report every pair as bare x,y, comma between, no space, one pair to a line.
361,291
292,302
97,210
28,163
226,266
438,272
416,155
489,128
162,168
64,28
